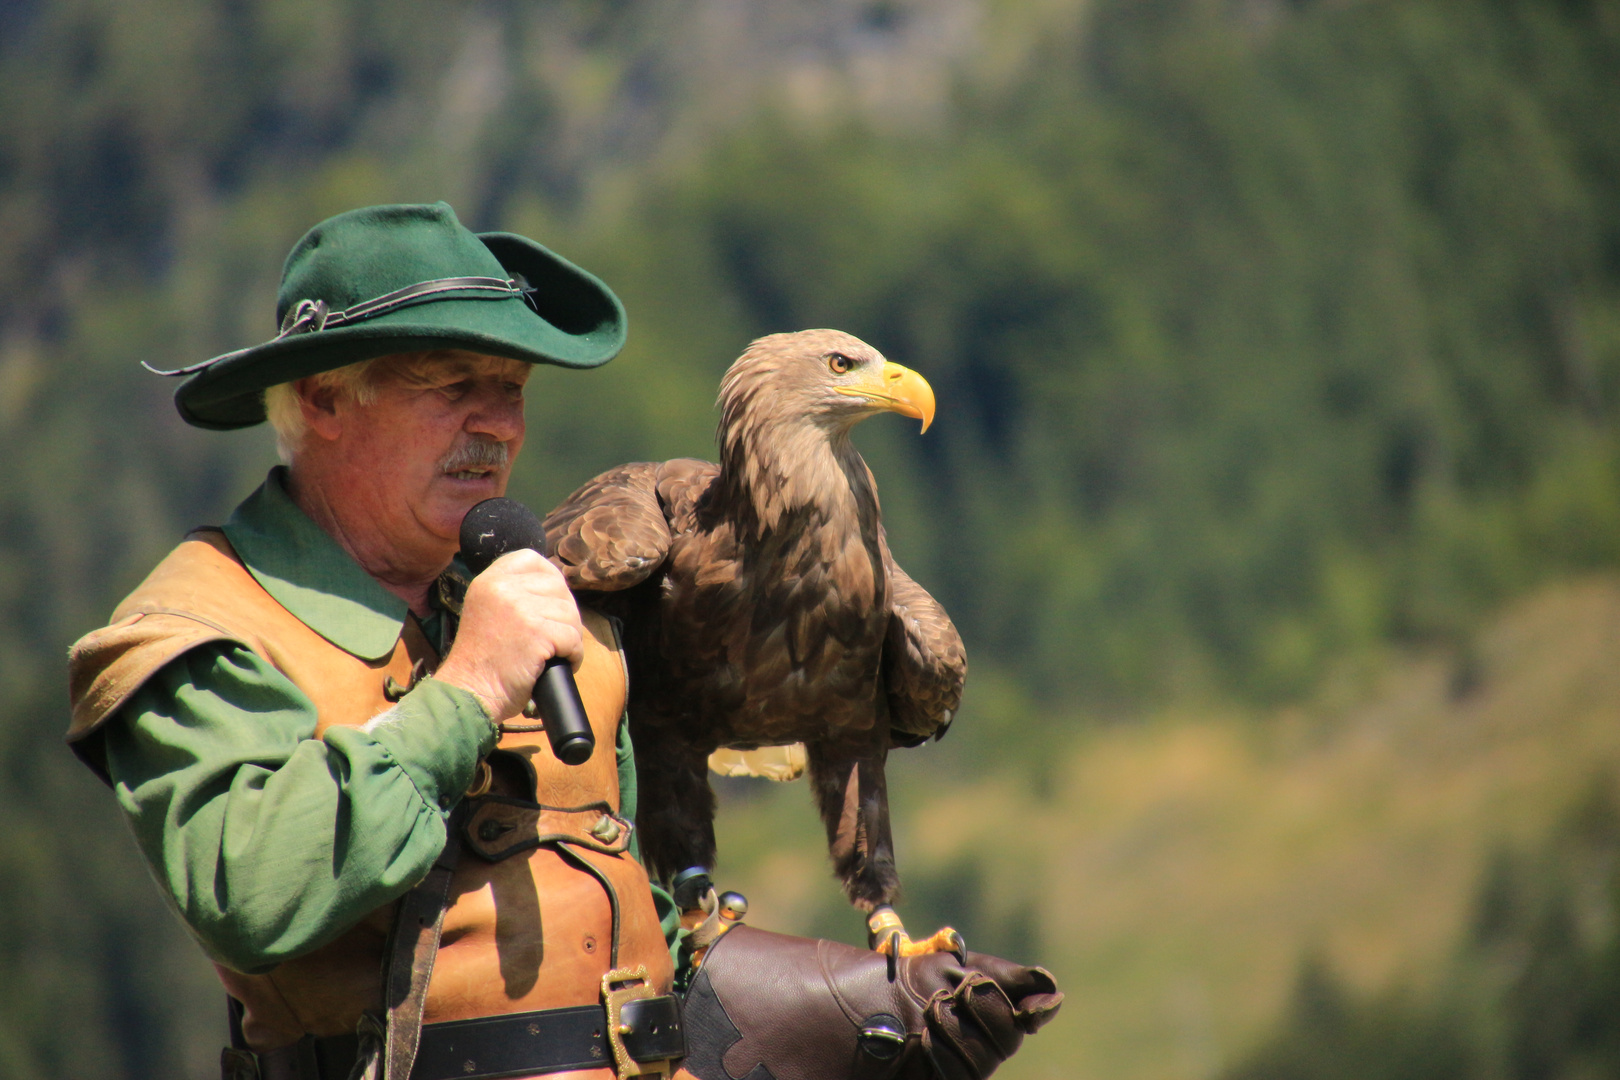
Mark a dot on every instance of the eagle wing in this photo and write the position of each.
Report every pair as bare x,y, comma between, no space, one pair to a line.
683,483
611,533
615,531
924,661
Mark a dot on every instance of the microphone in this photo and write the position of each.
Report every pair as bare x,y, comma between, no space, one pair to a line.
490,530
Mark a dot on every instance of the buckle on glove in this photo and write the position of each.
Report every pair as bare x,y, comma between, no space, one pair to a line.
643,1026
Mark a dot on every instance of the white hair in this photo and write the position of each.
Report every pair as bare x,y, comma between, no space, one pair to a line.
281,406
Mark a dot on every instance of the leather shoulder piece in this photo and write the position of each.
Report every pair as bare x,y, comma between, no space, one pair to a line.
107,666
198,594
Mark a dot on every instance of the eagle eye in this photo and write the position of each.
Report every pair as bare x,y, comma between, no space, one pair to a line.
839,363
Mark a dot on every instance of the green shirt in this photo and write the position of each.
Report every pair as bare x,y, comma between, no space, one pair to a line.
269,841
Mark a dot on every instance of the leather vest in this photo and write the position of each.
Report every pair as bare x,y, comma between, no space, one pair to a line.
545,899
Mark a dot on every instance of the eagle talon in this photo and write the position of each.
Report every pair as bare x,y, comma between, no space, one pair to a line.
944,940
891,943
884,931
888,936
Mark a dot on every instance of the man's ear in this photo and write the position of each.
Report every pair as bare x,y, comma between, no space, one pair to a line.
319,404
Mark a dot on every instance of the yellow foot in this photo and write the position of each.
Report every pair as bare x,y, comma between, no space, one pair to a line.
944,939
888,936
725,911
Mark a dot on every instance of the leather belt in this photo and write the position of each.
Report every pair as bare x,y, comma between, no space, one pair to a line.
488,1047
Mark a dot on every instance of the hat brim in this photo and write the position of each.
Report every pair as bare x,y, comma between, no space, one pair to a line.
575,322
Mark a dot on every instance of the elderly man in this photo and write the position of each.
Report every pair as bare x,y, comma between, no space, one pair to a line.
316,727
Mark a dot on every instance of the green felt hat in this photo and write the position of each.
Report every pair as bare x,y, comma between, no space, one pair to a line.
391,279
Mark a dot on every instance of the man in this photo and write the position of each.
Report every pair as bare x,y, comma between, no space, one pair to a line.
316,726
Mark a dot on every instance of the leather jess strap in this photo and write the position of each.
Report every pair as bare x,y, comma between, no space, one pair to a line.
518,1044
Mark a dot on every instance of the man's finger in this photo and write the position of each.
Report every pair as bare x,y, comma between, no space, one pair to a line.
566,641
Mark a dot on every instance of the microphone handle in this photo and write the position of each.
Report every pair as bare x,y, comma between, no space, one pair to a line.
556,699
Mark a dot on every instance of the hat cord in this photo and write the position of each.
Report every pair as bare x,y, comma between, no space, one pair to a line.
313,316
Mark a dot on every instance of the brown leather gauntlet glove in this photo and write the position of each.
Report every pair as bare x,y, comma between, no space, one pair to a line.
768,1006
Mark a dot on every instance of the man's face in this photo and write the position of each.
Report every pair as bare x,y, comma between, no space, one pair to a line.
440,435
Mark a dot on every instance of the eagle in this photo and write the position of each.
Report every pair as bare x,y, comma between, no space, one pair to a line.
761,607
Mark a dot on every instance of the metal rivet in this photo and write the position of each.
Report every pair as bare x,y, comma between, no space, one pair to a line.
882,1036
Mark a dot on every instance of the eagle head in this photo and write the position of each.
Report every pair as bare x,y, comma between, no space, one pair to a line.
827,377
786,408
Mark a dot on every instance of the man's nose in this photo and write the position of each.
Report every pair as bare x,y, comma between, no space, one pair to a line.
496,415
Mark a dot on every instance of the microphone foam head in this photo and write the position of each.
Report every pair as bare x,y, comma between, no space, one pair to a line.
495,527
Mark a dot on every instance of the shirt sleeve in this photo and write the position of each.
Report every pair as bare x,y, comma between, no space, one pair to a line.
269,841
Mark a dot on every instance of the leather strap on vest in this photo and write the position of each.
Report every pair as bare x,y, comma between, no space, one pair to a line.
499,827
411,952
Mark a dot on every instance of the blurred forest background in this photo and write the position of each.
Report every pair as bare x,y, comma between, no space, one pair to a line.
1275,485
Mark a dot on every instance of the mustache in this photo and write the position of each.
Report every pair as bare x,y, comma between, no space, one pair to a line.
475,454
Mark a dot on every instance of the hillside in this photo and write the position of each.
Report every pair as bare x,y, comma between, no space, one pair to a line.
1181,869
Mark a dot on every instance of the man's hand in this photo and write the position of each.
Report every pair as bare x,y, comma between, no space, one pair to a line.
517,615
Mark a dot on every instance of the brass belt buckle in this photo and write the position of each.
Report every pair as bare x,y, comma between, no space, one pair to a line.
616,993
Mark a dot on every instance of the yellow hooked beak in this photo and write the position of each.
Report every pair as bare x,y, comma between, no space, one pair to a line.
898,389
